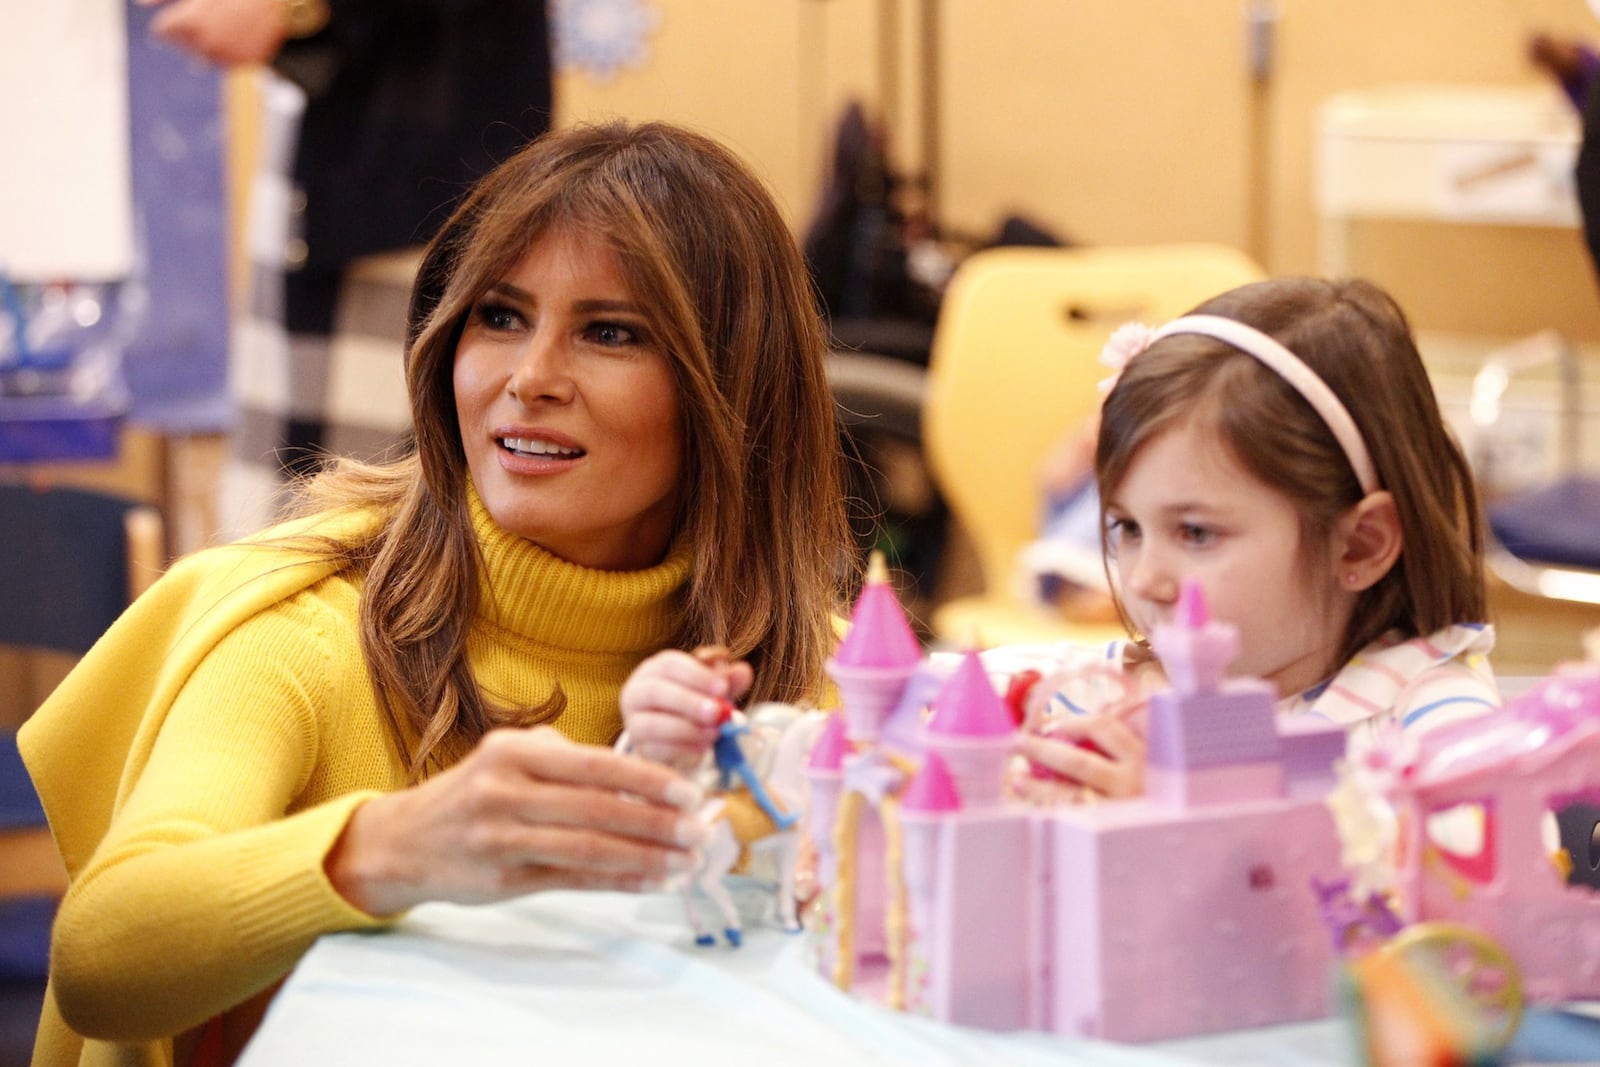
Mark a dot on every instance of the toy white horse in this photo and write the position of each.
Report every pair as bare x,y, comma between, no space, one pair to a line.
779,739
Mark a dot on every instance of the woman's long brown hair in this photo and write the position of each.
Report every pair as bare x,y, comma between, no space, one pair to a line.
708,256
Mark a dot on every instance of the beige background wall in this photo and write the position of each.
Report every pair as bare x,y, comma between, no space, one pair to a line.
1110,121
1123,121
1120,121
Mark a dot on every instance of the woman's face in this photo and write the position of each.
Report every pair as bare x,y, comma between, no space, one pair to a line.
569,409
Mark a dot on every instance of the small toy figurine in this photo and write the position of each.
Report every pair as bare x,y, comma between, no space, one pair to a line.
1357,923
757,822
729,757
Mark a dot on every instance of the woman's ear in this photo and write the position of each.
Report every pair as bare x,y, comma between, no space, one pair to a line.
1368,541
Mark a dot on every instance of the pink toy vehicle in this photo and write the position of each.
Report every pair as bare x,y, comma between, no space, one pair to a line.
1524,782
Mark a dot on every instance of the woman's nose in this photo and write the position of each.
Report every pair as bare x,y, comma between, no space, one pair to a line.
542,370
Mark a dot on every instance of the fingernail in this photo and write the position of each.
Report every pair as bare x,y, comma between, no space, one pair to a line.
682,793
690,831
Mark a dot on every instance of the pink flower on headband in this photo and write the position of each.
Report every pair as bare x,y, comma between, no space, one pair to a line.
1125,342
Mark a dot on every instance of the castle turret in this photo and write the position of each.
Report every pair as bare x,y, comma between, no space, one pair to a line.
876,656
974,732
1212,739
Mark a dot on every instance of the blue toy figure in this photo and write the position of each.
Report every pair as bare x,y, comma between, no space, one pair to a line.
730,760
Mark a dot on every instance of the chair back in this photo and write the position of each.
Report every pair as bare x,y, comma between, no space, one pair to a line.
70,561
1015,366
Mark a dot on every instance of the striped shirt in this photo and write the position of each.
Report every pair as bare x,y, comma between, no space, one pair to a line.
1421,683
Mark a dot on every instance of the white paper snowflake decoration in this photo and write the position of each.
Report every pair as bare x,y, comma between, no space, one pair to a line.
602,37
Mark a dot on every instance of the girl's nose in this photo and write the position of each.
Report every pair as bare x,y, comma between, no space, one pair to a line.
1151,579
542,371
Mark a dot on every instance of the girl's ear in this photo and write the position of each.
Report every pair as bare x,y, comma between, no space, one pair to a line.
1368,541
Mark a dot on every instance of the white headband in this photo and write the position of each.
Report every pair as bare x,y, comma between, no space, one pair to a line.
1288,366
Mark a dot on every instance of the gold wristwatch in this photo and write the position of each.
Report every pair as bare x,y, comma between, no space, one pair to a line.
304,18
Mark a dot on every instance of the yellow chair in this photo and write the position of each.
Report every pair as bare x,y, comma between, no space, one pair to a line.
1014,368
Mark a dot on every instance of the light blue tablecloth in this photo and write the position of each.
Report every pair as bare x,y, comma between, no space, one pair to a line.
573,978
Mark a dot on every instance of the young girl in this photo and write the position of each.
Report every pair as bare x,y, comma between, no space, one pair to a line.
1282,446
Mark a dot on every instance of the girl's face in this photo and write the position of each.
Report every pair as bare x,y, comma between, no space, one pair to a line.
569,409
1187,509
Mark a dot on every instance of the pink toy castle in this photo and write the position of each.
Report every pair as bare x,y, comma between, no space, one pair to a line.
1183,912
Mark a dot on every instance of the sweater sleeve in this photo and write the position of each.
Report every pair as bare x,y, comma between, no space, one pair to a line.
210,884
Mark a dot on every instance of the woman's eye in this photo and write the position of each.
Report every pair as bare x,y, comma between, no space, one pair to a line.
497,317
612,334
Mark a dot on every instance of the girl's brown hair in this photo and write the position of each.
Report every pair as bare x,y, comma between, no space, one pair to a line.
1356,339
708,256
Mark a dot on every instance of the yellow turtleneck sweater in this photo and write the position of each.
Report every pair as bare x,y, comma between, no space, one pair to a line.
201,761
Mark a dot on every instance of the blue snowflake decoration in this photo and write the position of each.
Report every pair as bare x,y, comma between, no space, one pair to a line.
602,36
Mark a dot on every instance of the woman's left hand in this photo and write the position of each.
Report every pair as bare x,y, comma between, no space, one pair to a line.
674,701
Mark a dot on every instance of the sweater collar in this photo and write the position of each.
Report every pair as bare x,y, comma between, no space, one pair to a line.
530,591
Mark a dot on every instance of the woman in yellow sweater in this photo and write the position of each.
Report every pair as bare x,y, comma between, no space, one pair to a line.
615,365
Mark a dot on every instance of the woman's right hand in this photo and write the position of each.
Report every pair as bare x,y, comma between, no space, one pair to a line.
526,810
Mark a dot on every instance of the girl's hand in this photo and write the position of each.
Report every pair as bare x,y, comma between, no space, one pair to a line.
673,702
1105,753
526,810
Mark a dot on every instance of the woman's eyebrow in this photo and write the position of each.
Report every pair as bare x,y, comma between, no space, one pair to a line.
602,305
506,289
587,306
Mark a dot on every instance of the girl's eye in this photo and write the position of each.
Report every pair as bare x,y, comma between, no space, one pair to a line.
1199,536
497,317
1121,531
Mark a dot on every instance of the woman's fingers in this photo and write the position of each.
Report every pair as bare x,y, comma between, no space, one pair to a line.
741,676
663,739
525,808
544,755
680,684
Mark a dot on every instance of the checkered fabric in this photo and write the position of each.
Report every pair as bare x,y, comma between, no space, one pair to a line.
329,382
